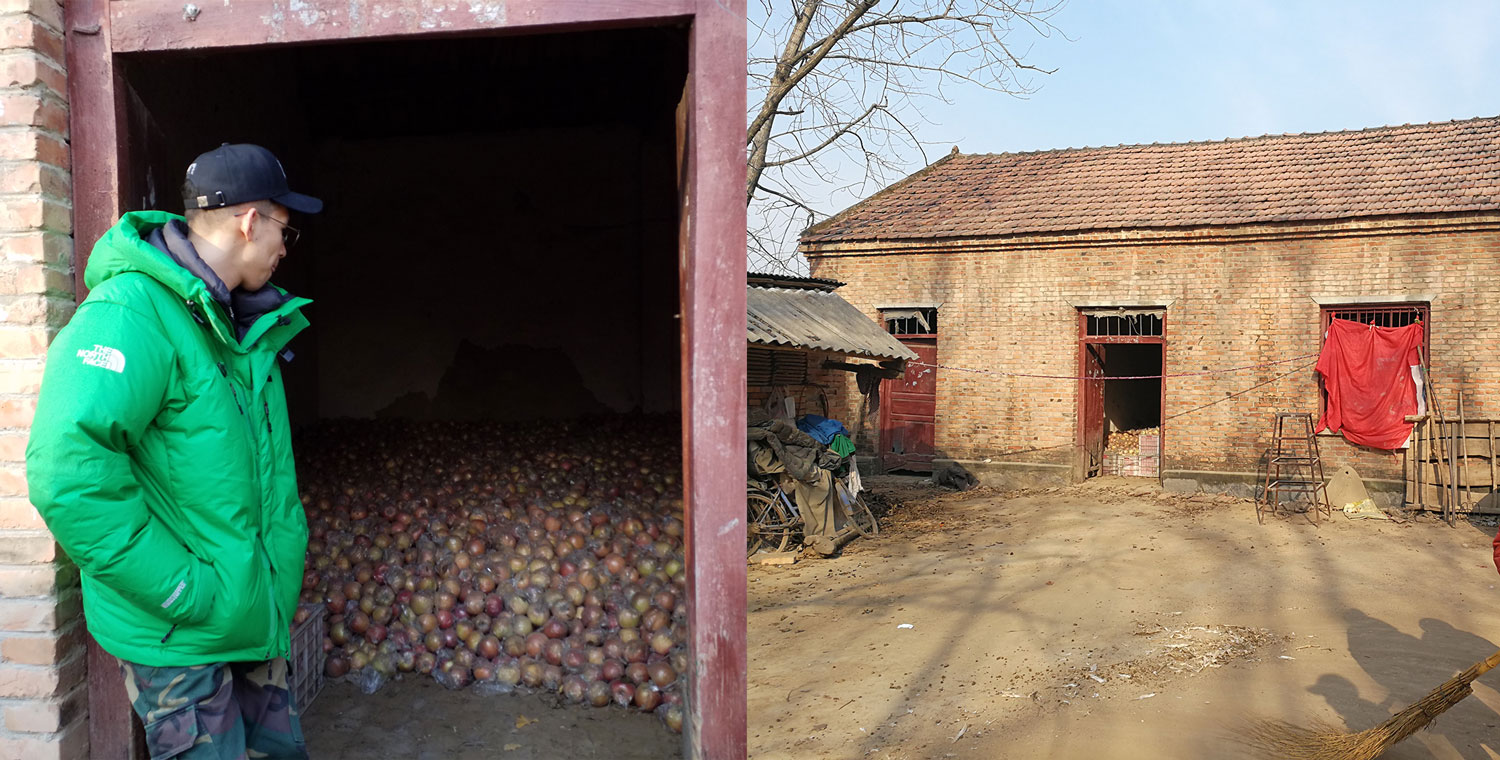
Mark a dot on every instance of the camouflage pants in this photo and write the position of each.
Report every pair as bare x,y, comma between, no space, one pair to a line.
229,711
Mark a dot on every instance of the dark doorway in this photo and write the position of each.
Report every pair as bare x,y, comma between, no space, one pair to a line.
1132,404
481,233
1132,410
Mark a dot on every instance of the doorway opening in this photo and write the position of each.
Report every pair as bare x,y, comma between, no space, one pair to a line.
488,401
1132,410
1121,395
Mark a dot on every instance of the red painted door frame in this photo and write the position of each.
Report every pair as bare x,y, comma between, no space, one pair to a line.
711,276
1084,340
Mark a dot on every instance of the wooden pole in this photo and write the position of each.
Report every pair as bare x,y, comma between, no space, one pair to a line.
1440,466
1432,461
1416,461
1436,438
1427,454
1463,449
1429,460
1452,472
1492,457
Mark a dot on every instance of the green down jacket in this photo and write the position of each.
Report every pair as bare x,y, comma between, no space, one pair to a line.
161,459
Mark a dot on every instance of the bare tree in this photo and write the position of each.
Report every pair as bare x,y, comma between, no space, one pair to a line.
837,89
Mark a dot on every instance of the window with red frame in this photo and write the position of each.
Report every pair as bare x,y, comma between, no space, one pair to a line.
1380,315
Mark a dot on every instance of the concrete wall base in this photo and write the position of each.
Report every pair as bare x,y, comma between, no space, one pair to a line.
1247,485
1013,475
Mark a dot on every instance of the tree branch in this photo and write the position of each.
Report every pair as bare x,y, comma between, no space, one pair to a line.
809,209
844,130
816,65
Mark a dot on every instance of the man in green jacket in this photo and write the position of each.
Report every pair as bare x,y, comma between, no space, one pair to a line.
161,459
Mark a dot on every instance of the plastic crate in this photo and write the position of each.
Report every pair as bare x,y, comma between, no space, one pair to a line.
307,657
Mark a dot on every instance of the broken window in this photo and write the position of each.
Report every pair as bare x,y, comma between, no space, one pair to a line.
922,321
1112,323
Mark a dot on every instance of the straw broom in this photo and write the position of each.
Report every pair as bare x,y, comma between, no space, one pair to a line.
1324,742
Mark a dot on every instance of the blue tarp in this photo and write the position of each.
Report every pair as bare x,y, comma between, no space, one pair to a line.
821,428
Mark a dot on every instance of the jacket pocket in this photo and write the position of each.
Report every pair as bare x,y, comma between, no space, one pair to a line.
174,733
207,592
239,617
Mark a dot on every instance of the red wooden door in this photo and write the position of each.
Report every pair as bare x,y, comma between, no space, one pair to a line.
908,411
1091,409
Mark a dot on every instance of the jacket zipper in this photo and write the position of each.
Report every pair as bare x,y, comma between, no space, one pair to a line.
265,405
265,555
275,616
236,394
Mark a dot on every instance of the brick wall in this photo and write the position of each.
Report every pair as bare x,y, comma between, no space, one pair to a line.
798,378
43,696
1234,296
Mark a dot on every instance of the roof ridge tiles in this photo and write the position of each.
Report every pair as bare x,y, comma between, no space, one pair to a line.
1231,140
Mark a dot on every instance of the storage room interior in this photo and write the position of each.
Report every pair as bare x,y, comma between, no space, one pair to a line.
495,295
1131,405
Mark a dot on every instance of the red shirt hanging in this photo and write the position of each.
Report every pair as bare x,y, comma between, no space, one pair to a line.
1367,372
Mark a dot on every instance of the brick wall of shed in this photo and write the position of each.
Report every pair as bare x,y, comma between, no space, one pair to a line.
1238,296
43,697
812,389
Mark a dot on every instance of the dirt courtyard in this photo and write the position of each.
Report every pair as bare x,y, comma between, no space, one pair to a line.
1111,620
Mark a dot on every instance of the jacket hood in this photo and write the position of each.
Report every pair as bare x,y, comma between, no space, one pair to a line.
128,247
173,238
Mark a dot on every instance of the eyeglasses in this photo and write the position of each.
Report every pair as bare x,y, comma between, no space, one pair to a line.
289,234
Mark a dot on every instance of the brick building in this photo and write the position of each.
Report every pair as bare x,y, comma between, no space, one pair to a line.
1216,262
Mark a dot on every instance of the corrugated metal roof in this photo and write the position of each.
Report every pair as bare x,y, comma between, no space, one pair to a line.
819,320
765,280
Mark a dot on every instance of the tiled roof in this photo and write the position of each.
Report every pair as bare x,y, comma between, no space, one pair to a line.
1413,169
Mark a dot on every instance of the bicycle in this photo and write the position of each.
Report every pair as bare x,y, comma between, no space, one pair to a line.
774,520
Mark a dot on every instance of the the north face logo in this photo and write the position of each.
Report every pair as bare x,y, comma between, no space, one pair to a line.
103,356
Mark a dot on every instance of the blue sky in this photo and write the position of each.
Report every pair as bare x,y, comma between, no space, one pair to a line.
1142,71
1161,71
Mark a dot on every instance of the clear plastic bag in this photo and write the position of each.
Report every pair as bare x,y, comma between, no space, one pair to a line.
369,680
493,688
455,678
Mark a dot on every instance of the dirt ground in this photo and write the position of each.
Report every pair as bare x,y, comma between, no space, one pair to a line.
421,720
1110,620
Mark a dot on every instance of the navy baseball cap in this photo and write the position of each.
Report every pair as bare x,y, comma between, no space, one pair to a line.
243,173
